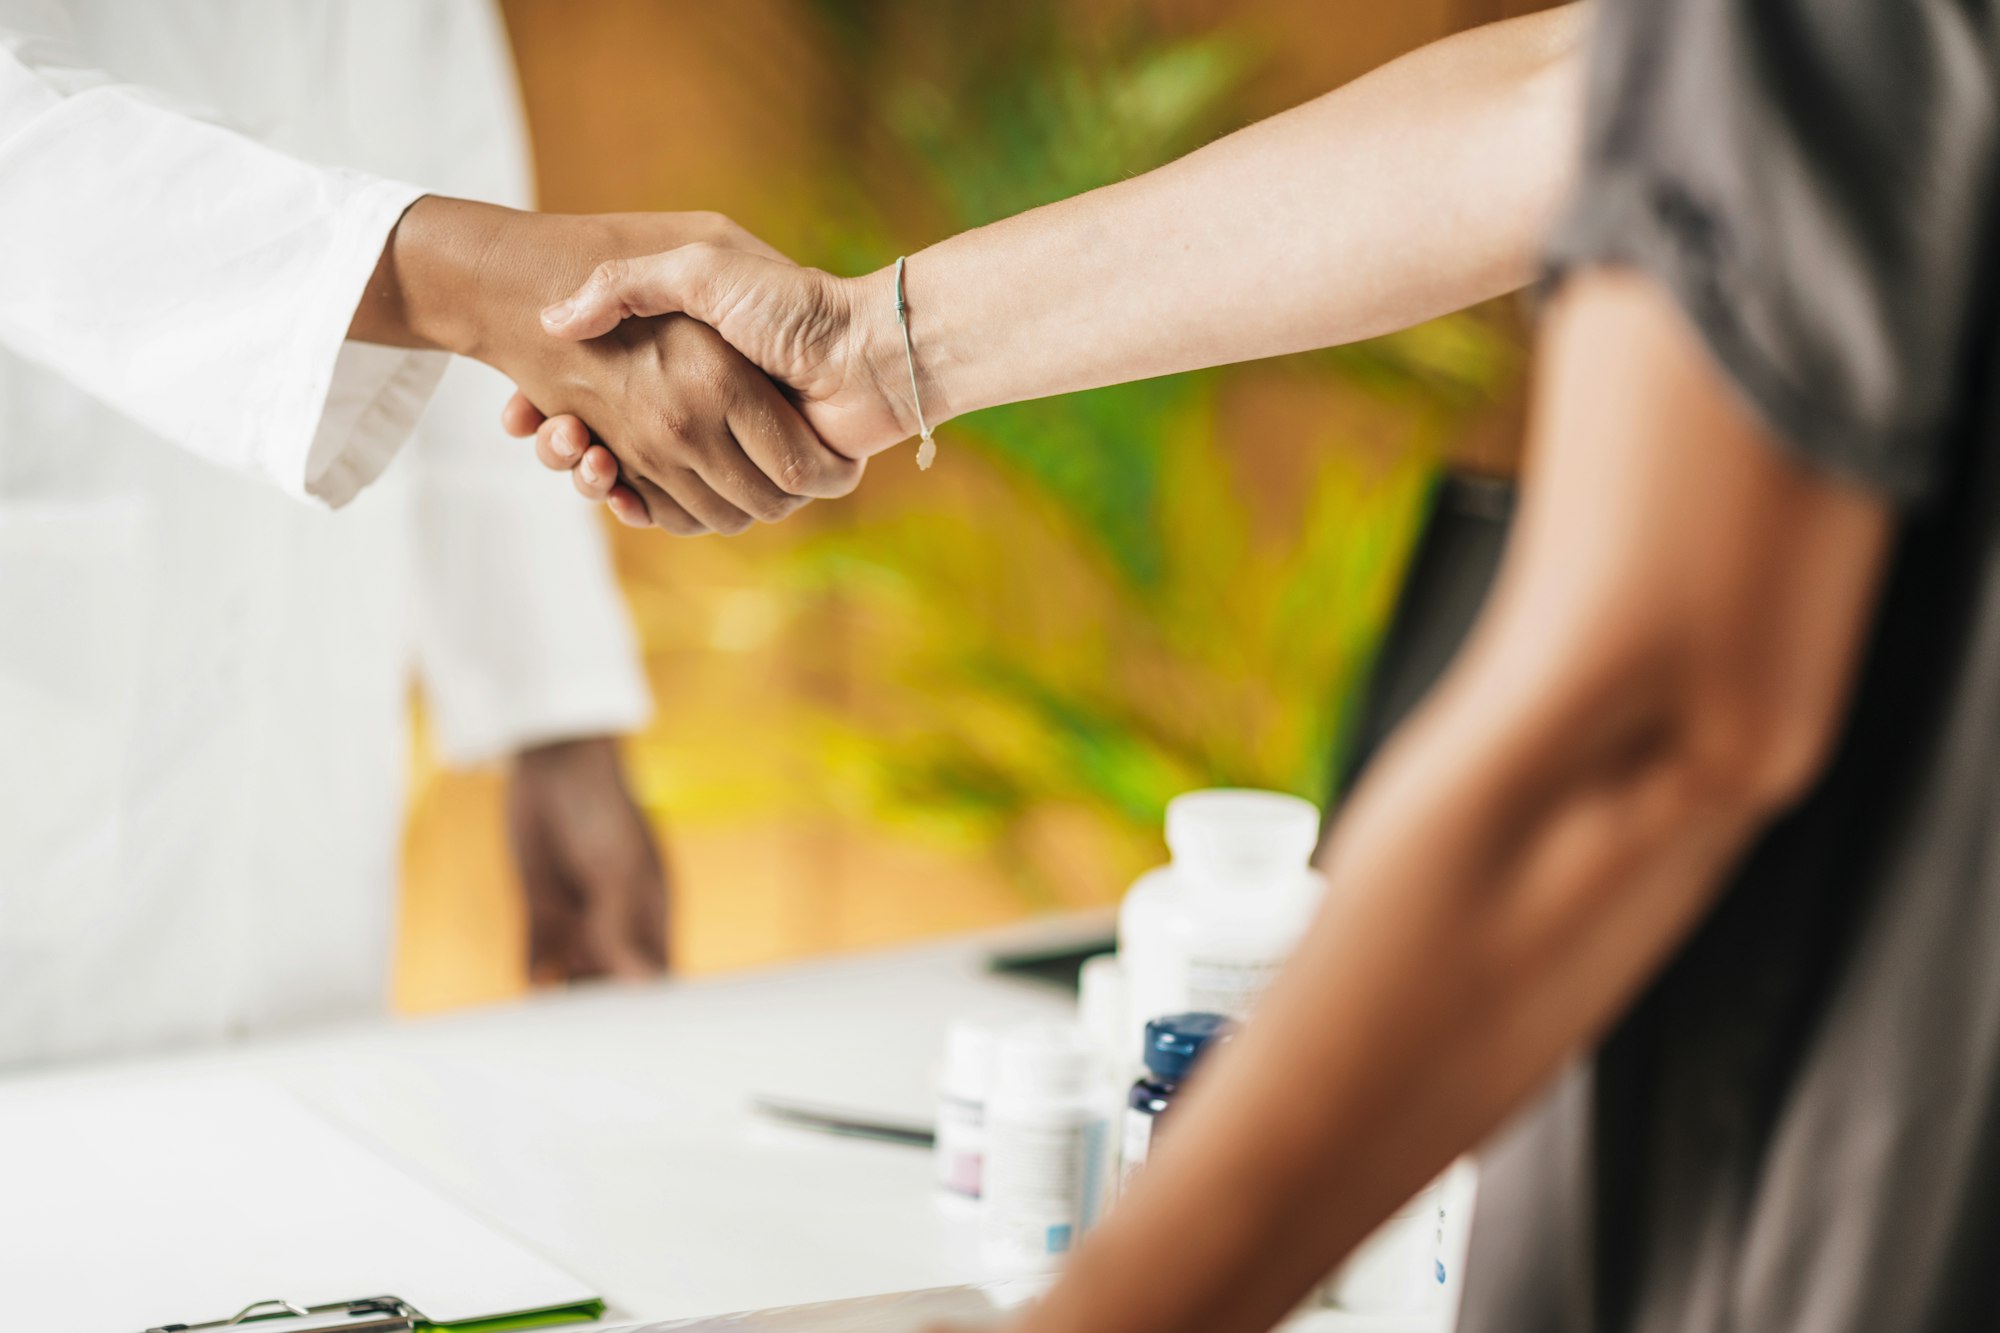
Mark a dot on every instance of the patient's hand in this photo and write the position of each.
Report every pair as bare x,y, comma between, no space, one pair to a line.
707,441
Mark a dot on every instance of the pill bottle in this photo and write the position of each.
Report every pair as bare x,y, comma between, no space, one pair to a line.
1395,1270
1207,932
1101,1008
1044,1147
1173,1045
965,1080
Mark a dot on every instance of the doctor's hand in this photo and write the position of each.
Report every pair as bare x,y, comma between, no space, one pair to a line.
833,343
711,443
595,883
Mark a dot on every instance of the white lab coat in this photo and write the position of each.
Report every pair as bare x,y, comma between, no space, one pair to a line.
204,672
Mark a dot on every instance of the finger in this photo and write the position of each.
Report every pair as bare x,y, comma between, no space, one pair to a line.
609,946
690,279
596,474
774,437
628,507
520,418
701,500
555,939
726,472
760,455
649,907
664,511
560,443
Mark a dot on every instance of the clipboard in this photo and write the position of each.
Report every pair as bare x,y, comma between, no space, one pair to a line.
136,1205
373,1314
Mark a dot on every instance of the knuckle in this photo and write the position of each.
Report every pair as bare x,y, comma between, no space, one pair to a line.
714,373
674,428
773,507
678,522
611,273
798,474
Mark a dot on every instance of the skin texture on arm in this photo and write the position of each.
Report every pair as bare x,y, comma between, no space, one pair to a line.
1662,670
713,444
1421,188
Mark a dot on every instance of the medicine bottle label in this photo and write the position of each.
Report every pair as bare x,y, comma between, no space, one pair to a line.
1041,1187
1228,986
961,1146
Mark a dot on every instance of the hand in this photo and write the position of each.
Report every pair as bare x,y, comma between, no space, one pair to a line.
595,884
832,342
712,444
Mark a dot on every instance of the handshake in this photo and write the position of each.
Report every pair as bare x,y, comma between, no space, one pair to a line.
677,367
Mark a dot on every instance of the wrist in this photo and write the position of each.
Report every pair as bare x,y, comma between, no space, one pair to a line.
891,363
468,277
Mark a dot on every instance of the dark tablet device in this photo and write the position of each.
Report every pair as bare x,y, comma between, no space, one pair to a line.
1451,570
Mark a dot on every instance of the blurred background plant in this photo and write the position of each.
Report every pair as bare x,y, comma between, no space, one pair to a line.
1124,631
981,685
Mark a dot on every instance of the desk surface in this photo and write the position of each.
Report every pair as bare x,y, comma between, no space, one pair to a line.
608,1129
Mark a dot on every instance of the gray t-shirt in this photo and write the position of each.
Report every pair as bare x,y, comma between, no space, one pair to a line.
1797,1128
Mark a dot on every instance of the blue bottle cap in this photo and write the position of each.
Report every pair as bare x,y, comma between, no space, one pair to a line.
1175,1042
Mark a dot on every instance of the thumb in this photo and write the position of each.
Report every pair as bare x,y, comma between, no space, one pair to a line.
620,289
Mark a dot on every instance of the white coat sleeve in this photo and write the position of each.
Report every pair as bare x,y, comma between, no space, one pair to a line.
522,633
193,279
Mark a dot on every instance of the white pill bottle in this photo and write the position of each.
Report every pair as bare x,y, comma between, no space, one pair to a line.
965,1080
1207,932
1045,1140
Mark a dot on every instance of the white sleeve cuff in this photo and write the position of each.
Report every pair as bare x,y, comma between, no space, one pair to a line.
355,403
371,404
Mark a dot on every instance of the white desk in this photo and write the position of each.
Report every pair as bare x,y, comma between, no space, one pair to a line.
608,1129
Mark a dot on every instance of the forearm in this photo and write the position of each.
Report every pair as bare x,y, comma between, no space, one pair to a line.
1419,189
1468,947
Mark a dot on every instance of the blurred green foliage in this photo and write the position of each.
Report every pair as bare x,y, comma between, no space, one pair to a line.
1128,622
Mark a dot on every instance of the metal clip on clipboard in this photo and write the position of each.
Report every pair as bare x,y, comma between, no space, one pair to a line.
375,1314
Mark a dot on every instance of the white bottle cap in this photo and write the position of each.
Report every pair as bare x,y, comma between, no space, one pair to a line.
969,1049
1101,1008
1236,836
1045,1063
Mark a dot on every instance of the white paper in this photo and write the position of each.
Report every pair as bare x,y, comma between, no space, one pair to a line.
901,1312
124,1206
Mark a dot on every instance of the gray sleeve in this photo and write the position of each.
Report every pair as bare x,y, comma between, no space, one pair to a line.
1813,181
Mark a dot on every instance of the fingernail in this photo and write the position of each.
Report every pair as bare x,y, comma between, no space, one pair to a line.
557,315
565,444
593,470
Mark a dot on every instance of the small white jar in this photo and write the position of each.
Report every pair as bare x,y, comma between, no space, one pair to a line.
965,1081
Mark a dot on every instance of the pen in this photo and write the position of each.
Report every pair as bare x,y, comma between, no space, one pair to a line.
846,1123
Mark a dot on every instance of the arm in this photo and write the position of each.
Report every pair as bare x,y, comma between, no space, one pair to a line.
220,293
191,278
1419,189
1661,672
526,654
524,647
